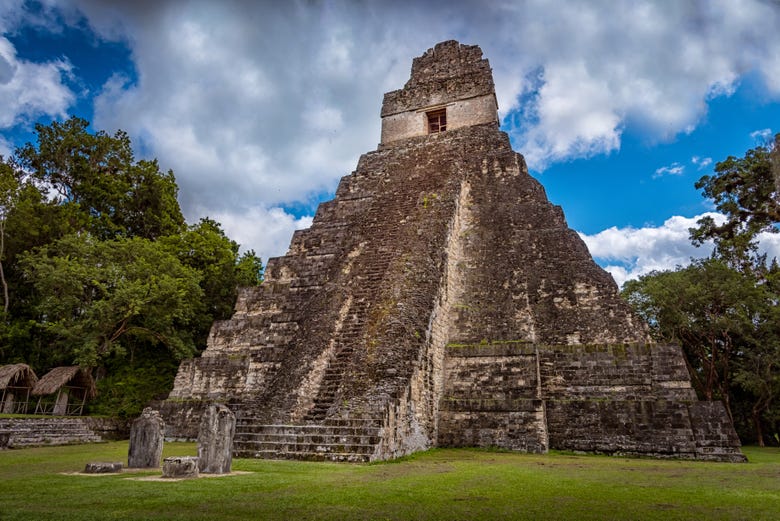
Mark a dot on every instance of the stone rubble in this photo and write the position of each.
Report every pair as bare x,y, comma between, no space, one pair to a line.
180,467
103,467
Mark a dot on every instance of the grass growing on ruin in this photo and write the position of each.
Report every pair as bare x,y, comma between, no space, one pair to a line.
440,484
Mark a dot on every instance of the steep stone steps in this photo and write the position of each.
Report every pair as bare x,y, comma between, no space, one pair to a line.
31,432
342,440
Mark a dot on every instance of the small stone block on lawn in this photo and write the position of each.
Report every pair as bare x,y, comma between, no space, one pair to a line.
180,467
103,467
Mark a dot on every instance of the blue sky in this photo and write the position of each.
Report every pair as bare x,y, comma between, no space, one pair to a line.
260,107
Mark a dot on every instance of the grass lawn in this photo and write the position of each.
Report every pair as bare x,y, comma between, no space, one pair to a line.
439,484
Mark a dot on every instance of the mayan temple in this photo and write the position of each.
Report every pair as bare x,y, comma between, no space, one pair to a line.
441,300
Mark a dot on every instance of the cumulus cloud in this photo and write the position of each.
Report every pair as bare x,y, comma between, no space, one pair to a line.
29,89
250,105
596,69
267,230
628,253
266,104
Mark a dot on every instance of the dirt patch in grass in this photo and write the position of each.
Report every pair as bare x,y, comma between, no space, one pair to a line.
200,476
155,477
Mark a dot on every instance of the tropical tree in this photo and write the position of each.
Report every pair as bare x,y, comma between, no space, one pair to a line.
98,267
745,191
102,297
9,193
205,248
708,309
98,174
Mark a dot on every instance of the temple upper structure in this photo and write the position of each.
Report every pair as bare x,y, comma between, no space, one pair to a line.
451,87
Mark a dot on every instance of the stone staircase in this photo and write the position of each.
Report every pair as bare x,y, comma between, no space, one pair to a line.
372,266
353,440
331,381
31,432
350,335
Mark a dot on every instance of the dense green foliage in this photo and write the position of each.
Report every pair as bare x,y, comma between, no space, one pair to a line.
98,267
99,298
744,190
724,310
436,485
97,174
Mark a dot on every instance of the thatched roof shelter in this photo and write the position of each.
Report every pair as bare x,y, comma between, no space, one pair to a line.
63,391
17,375
73,376
16,381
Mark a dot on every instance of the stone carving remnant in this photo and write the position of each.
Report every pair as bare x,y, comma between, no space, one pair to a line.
180,467
146,440
103,467
215,440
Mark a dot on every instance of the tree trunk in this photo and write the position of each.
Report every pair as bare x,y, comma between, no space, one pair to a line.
2,272
757,425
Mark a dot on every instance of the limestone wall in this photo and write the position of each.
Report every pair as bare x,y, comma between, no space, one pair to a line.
462,113
492,398
616,399
30,432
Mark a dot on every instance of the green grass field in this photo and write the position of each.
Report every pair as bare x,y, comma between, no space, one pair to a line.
35,484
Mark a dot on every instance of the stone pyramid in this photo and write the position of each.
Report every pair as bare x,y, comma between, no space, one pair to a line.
441,300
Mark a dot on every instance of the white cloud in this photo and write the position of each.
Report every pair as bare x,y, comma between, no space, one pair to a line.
673,169
628,253
265,104
651,66
29,90
6,148
701,162
762,136
267,230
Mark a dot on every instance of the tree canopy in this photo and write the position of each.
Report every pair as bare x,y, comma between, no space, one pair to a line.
745,191
97,173
99,298
99,268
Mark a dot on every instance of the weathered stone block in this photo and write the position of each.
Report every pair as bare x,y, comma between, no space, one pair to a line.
182,467
215,440
102,467
146,440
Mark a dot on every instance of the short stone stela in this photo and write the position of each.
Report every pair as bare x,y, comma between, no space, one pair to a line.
441,300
